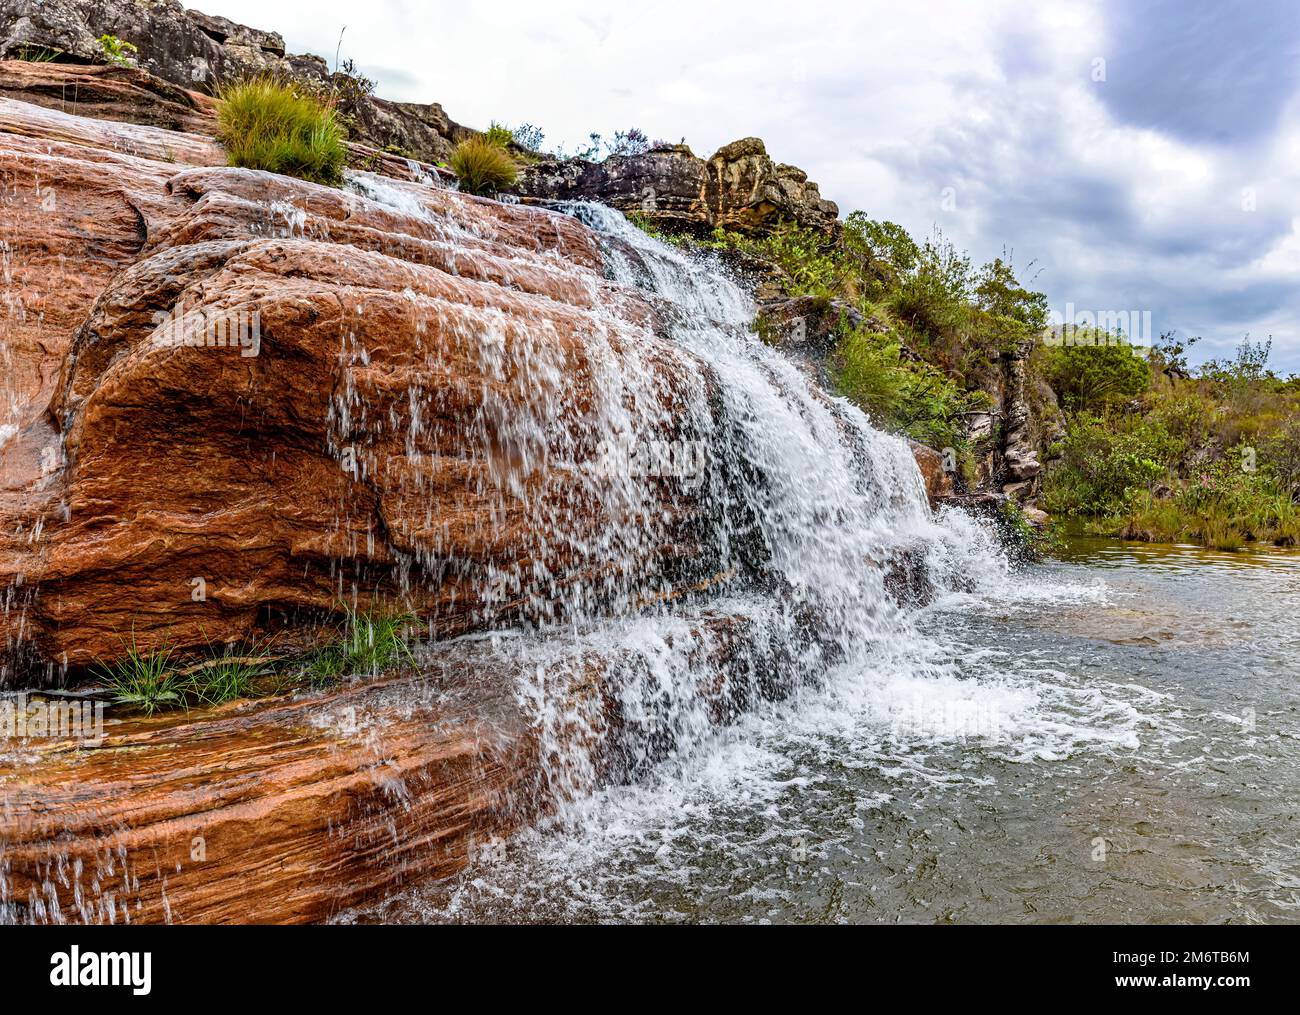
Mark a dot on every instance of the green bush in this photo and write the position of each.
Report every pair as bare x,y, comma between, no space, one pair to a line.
891,252
934,298
483,166
272,125
499,135
1104,468
1090,370
901,396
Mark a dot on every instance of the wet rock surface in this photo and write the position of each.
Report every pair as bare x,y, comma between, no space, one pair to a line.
380,397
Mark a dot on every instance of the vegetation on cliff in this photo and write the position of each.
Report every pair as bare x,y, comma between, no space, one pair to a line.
269,124
1149,448
918,328
365,643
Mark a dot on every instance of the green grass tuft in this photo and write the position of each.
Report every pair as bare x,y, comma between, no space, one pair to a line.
231,672
369,643
147,681
483,166
271,125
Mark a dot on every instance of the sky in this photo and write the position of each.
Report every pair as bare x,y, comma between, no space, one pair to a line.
1127,156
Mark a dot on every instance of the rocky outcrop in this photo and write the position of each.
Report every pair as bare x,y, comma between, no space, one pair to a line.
107,92
1019,455
198,51
739,188
293,808
181,46
369,412
278,811
1009,439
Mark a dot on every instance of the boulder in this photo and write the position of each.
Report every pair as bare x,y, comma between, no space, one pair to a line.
749,193
937,472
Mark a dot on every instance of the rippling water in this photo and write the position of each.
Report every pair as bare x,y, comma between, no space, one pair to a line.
1113,736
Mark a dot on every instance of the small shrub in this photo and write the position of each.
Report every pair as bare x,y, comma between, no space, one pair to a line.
272,125
529,136
632,141
115,51
483,167
499,135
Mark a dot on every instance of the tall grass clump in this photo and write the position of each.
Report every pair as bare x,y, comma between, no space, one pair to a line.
483,166
147,681
368,643
229,672
269,124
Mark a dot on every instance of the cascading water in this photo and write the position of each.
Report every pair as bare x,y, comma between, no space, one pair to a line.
797,500
662,716
793,507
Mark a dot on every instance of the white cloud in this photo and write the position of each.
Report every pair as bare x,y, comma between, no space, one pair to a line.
885,104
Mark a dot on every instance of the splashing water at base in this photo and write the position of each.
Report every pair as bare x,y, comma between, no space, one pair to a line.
1086,751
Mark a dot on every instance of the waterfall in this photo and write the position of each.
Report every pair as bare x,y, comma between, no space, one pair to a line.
793,505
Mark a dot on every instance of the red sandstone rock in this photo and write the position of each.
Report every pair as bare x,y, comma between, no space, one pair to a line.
934,470
374,428
280,811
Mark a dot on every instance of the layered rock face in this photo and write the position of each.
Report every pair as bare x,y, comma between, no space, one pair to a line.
739,188
234,400
197,51
107,92
1011,439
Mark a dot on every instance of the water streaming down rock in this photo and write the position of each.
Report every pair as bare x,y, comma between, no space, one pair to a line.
798,506
516,425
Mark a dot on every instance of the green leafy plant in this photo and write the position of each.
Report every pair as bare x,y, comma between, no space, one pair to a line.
900,395
273,125
483,166
499,135
115,51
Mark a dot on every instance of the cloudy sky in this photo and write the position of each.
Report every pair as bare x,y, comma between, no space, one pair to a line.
1139,155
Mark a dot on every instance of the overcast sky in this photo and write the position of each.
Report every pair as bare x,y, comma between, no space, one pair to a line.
1141,155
